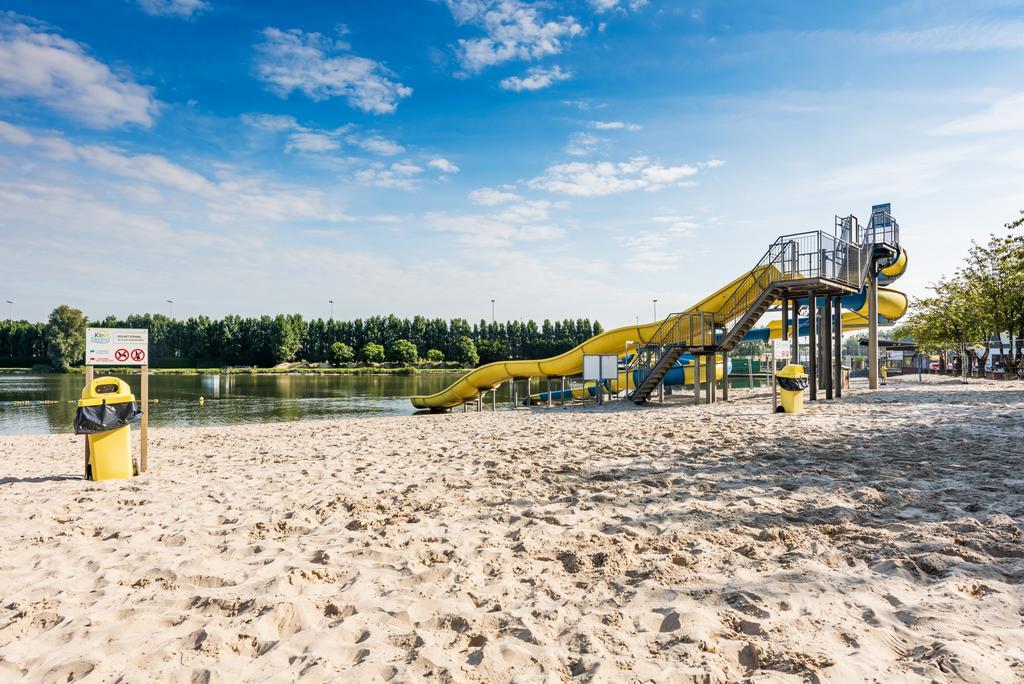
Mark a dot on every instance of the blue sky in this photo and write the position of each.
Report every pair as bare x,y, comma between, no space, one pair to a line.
425,156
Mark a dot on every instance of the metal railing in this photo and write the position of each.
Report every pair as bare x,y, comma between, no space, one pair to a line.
811,255
882,229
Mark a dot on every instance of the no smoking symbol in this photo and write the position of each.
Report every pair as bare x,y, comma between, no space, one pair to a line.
121,355
138,355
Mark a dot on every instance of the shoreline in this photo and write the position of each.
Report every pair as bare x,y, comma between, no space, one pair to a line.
877,536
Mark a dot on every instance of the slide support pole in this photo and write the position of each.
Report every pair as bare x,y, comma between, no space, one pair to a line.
837,342
696,379
709,379
826,345
812,344
794,354
873,332
725,374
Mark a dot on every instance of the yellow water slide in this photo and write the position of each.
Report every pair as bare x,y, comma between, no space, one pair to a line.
892,304
616,341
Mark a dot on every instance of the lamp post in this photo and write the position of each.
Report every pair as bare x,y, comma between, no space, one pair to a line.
492,312
332,308
170,308
10,317
655,309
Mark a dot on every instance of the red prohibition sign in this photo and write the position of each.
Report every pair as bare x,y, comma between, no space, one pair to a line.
138,355
121,355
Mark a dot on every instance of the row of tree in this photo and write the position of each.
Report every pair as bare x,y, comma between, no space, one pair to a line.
271,340
971,308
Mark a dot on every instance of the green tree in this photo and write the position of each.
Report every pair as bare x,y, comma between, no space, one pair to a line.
341,353
465,351
372,352
404,351
435,356
65,337
492,350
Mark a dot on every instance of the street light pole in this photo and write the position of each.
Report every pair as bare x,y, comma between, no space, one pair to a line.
332,308
170,308
492,312
11,316
655,309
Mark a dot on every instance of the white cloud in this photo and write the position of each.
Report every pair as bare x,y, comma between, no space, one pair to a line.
147,167
14,134
301,138
379,145
582,179
399,175
321,68
271,122
1003,116
658,250
312,142
536,78
601,6
583,144
173,8
490,197
227,198
524,222
614,126
38,64
513,30
443,165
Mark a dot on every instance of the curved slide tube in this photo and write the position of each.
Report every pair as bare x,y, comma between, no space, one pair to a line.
617,341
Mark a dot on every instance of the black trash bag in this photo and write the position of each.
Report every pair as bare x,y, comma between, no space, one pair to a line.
792,384
90,420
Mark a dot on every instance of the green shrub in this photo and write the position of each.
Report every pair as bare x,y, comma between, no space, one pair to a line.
372,353
341,353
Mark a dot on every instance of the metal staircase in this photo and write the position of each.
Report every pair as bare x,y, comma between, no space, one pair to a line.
806,264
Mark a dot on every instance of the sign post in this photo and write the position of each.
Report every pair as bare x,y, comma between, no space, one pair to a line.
122,347
600,367
782,350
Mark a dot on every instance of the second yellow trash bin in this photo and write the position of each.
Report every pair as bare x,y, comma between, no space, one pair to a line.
105,412
792,383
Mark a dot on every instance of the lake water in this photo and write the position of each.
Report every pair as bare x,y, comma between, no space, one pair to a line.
233,399
228,399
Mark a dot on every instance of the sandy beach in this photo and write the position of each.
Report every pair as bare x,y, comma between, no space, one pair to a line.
877,538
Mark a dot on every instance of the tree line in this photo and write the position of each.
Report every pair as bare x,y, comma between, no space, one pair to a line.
270,340
971,307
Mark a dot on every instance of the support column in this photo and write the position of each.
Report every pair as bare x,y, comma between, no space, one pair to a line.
812,345
514,393
837,344
696,379
826,345
873,332
494,399
550,403
725,375
529,388
794,353
709,379
785,317
562,401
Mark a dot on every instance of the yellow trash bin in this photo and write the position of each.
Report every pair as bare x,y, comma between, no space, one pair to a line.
792,382
105,412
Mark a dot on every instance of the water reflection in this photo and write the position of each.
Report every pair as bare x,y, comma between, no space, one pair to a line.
234,399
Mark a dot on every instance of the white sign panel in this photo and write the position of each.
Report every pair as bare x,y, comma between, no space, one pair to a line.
609,366
783,349
600,366
116,346
895,355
